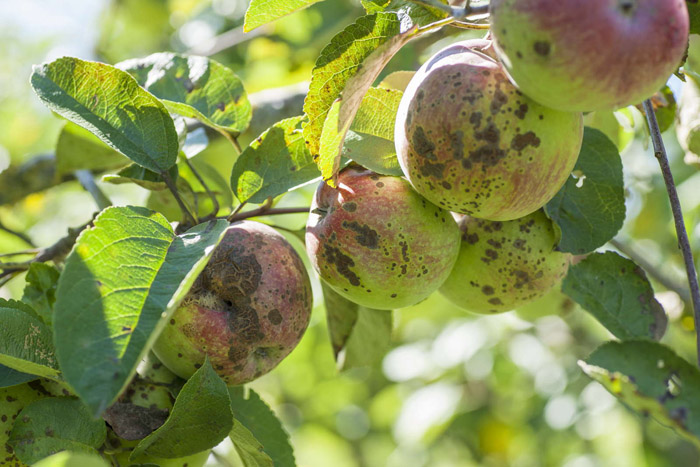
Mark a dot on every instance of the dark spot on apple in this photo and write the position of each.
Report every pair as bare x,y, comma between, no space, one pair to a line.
542,48
520,142
366,236
487,290
350,206
275,317
342,263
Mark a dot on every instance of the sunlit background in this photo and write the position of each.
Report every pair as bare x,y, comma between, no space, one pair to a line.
455,389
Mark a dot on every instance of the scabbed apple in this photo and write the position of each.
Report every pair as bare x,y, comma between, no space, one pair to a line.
377,242
12,400
246,311
470,142
503,265
589,55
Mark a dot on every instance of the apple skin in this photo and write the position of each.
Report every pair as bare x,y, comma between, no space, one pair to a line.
503,265
377,242
246,311
471,143
589,55
12,400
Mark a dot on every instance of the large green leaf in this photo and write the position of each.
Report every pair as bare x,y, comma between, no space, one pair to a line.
273,164
196,87
25,341
265,11
617,292
201,418
590,207
360,336
40,291
652,380
111,104
375,153
78,149
254,414
124,278
47,426
347,67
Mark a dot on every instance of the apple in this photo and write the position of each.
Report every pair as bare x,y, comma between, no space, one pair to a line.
589,55
471,143
246,311
504,265
377,242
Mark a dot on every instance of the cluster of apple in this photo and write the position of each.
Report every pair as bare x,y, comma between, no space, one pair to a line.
486,134
490,130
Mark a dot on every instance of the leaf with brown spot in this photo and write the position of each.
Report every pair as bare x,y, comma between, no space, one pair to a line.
55,424
618,294
652,380
195,87
26,343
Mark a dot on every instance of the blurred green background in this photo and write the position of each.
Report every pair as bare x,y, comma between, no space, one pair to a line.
455,389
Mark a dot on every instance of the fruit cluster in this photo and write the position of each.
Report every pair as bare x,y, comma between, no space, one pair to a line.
490,130
487,133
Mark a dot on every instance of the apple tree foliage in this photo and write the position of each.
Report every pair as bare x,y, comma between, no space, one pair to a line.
95,302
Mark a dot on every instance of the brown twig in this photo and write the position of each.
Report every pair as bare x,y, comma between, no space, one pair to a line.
681,233
191,219
212,196
266,211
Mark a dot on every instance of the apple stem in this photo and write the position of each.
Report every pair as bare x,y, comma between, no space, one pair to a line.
266,210
681,232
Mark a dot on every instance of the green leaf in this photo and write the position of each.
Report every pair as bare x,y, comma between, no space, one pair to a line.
590,207
164,202
372,152
195,87
200,419
694,13
371,139
140,176
665,108
110,103
347,66
25,341
408,11
124,278
276,162
249,449
11,377
360,336
260,420
78,149
618,294
72,459
650,379
40,291
265,11
55,424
